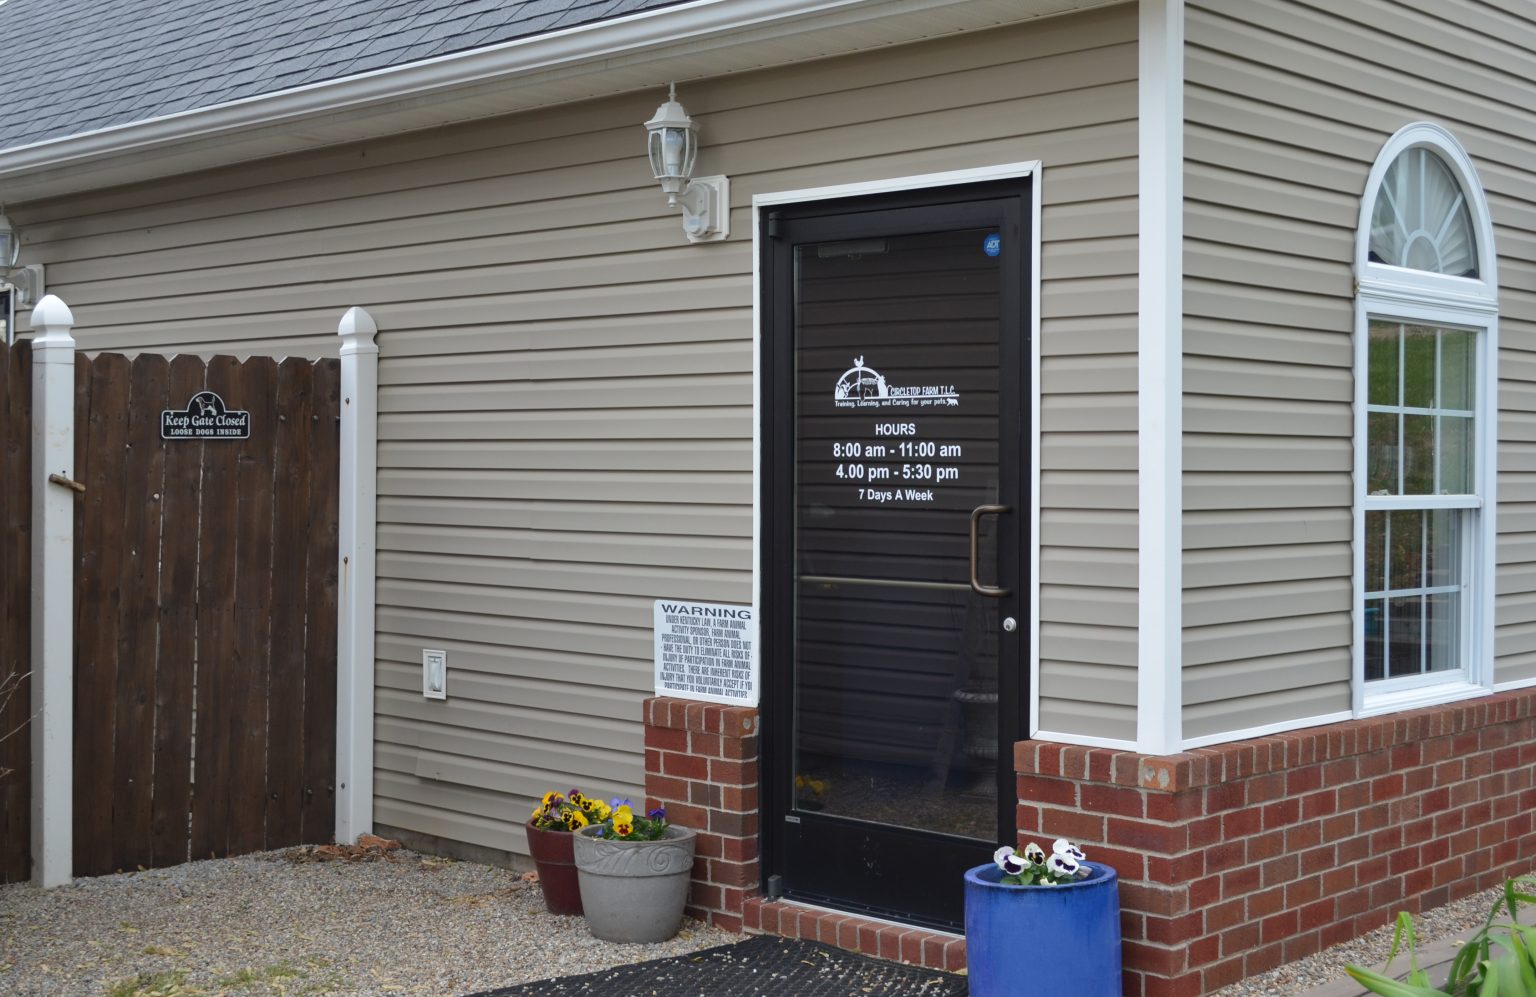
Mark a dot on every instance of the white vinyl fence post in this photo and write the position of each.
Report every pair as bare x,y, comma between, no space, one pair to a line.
53,611
357,526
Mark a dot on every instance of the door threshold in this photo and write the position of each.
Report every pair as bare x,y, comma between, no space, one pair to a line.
865,916
866,934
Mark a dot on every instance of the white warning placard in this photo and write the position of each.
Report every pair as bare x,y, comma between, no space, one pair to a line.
706,651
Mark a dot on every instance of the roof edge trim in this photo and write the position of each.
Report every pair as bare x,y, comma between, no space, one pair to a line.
589,45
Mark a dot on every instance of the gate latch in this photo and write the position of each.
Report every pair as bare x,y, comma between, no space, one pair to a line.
69,483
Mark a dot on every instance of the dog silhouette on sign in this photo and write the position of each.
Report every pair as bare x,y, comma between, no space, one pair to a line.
205,402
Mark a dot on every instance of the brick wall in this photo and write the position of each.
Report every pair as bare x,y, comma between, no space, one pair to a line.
1237,858
1232,859
701,764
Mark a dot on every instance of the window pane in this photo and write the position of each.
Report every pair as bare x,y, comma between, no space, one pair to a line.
1421,218
1405,630
1381,453
1383,363
1455,455
1418,455
1405,550
1443,548
1375,623
1442,612
1458,369
1375,551
1418,366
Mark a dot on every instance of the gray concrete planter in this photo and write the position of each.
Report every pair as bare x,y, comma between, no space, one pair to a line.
634,891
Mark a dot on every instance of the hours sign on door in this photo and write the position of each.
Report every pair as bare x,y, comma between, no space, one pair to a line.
897,456
885,469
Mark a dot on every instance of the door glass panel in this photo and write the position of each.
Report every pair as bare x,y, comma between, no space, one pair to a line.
896,442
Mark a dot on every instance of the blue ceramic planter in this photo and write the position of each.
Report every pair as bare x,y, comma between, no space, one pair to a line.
1042,941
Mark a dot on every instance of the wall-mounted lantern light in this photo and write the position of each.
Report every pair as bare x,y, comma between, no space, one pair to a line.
26,282
673,147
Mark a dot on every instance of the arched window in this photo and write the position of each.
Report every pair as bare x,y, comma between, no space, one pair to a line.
1426,341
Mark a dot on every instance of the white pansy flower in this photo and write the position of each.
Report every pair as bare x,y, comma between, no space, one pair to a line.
1065,847
1008,860
1062,865
1034,853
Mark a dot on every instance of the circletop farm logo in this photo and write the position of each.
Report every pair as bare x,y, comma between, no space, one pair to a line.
865,387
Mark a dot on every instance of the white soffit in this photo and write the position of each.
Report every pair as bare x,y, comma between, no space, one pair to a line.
689,41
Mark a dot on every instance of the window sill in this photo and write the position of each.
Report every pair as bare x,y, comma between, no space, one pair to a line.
1437,694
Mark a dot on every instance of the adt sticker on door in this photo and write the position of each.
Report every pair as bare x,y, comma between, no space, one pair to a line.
706,651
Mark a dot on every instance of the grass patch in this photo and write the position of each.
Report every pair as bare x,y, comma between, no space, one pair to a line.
169,983
251,977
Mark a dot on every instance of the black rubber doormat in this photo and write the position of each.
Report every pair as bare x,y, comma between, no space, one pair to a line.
761,966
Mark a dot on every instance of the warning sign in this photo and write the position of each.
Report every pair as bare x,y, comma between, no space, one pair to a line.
706,651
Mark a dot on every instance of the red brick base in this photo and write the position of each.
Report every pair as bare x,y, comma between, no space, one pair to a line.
701,764
1236,858
1232,859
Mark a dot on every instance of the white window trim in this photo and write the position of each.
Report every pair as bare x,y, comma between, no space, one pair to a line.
1397,294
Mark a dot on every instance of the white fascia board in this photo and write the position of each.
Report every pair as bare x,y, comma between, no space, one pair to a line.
651,48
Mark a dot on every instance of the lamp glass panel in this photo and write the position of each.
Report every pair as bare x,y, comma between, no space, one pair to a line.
674,151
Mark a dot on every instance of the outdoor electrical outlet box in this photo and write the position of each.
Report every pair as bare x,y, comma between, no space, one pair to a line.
434,674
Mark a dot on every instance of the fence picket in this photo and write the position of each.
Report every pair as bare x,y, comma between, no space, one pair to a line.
320,626
254,464
290,561
177,659
138,615
98,587
15,609
216,649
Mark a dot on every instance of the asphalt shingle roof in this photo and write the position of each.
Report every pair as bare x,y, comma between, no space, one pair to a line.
75,66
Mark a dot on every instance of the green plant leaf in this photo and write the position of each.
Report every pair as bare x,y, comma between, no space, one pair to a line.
1524,962
1387,986
1403,935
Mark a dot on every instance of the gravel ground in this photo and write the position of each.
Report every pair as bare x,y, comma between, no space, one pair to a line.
278,923
1370,950
269,924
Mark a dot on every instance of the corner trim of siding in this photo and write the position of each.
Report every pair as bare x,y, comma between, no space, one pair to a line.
1160,377
1264,731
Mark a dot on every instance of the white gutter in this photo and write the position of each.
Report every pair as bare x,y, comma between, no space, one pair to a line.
691,40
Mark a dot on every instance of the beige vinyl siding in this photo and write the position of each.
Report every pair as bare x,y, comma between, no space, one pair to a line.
566,385
1287,105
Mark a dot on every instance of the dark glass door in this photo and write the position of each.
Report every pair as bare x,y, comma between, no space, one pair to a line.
896,362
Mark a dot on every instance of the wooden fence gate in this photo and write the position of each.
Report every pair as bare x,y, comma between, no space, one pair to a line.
205,601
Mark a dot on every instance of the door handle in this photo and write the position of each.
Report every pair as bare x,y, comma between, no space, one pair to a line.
991,591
